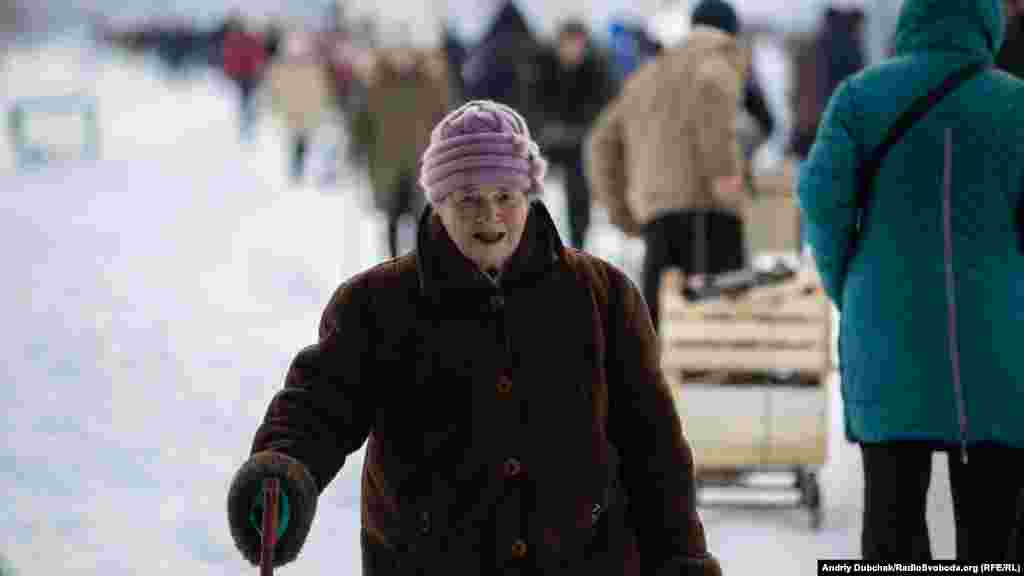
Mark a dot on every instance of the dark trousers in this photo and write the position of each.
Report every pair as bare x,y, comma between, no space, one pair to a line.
577,193
985,493
1017,542
400,204
672,241
300,147
247,106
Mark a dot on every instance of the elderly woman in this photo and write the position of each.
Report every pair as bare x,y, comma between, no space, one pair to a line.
509,389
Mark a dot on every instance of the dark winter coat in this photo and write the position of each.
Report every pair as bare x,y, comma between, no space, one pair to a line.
895,353
572,98
839,49
502,66
531,417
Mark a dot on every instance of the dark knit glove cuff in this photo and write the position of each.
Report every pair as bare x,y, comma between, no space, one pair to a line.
247,487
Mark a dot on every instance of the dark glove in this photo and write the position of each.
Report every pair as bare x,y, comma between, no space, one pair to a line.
298,499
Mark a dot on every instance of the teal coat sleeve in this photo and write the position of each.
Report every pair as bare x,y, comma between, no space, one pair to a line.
827,191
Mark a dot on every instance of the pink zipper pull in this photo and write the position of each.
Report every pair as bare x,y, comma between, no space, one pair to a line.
954,347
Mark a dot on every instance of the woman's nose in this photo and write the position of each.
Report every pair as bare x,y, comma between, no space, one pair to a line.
490,210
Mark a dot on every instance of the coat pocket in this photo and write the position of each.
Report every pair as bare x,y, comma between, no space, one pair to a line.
606,544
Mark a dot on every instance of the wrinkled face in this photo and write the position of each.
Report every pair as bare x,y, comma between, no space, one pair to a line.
486,223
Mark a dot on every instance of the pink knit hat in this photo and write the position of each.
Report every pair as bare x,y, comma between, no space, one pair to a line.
482,142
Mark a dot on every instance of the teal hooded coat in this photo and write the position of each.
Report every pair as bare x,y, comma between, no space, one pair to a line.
895,330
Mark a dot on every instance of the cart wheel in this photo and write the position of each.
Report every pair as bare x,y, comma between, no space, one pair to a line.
810,490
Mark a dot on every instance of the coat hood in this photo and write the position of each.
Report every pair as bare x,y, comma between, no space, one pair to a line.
975,27
509,21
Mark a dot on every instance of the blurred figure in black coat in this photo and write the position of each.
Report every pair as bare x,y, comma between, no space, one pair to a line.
574,83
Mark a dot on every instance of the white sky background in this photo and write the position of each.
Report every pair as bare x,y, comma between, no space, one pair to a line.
152,302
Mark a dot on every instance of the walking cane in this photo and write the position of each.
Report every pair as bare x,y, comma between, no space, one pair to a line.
271,490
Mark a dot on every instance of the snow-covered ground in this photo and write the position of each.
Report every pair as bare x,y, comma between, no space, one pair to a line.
152,302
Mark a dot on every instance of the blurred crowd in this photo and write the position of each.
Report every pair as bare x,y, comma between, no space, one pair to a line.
387,93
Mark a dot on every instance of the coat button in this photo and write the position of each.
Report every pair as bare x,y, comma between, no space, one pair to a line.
512,468
497,302
519,549
504,384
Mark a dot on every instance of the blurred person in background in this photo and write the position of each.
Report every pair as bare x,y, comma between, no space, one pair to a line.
272,39
631,44
1011,55
837,52
408,92
299,91
756,123
244,60
840,48
339,51
497,442
502,65
928,275
455,53
664,157
755,105
574,83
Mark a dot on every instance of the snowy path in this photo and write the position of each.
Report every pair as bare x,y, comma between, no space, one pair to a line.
153,302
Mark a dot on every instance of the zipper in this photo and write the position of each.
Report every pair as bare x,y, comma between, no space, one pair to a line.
954,348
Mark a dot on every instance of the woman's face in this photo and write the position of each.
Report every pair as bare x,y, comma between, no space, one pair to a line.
486,223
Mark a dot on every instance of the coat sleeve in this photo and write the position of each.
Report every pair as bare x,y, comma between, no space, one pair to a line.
756,104
605,167
325,410
323,414
827,192
657,461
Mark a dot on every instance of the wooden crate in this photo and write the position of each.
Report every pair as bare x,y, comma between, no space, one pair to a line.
748,427
780,328
725,358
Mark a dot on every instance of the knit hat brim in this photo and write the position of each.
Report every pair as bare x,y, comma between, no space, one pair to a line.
468,178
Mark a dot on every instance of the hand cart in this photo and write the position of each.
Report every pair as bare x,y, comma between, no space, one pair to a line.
748,368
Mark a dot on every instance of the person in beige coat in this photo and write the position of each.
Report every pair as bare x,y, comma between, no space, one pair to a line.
664,159
408,92
300,94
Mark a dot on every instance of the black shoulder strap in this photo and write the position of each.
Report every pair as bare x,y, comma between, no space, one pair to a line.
867,171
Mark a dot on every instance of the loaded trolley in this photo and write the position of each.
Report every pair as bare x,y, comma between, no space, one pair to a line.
748,368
